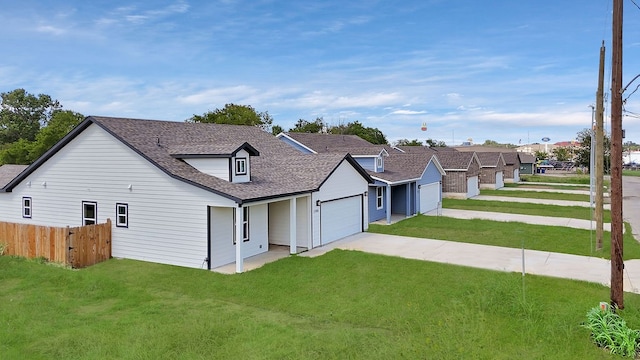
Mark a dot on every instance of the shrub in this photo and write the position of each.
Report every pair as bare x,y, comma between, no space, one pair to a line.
610,331
3,248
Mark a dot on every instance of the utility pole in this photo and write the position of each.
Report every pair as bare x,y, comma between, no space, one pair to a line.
617,264
599,151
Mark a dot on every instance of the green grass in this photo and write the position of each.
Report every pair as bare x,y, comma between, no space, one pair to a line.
510,234
342,305
574,212
536,194
568,179
630,173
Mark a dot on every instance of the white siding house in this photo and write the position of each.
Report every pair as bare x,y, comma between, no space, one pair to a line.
176,207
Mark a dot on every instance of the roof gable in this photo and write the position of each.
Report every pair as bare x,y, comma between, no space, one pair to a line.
323,143
279,171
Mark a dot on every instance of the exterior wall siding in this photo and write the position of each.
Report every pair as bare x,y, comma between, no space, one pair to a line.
375,214
167,218
217,167
241,177
344,182
454,182
367,163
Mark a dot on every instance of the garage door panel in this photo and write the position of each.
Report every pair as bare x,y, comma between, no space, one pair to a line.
499,180
472,186
429,197
340,218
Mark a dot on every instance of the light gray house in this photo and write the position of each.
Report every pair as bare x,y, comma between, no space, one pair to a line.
190,194
405,184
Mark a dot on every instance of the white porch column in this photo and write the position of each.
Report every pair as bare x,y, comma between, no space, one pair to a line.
293,245
388,201
238,238
407,191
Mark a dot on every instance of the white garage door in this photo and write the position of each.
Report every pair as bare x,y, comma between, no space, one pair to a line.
499,180
340,218
429,197
472,187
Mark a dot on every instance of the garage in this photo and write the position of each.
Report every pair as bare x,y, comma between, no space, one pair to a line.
429,197
473,188
340,218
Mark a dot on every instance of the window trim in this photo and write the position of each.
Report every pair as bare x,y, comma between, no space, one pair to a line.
241,166
245,225
124,206
27,210
379,162
379,198
95,212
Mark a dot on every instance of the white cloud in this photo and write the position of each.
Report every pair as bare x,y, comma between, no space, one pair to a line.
49,29
407,112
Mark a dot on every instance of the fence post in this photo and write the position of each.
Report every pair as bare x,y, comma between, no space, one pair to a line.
68,248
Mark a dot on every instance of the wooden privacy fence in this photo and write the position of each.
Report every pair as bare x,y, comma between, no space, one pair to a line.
77,247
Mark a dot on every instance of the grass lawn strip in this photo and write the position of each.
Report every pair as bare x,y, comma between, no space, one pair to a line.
509,234
536,194
344,304
574,212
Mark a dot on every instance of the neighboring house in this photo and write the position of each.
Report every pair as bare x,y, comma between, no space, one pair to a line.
405,184
491,170
511,167
190,194
527,163
462,174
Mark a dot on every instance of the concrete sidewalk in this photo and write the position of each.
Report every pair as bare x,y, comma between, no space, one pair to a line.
528,219
537,201
544,263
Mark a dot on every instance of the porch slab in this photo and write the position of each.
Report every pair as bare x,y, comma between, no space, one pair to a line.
275,253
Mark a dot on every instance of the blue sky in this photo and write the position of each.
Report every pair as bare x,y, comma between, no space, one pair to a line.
506,70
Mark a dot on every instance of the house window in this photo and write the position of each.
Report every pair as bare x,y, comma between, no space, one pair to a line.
245,225
26,207
89,213
122,215
379,197
241,166
379,162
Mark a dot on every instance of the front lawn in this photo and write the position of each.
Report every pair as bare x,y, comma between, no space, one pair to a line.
509,234
574,212
536,194
342,305
560,179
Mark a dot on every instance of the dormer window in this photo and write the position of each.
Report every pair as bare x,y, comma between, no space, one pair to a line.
241,166
379,162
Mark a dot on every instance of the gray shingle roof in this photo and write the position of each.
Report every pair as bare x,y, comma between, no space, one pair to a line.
400,167
526,158
510,158
280,170
455,160
8,172
219,149
490,159
323,143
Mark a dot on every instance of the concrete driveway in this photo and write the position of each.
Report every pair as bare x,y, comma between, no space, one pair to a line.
497,258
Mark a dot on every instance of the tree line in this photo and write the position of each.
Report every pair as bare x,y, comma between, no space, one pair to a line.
31,124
